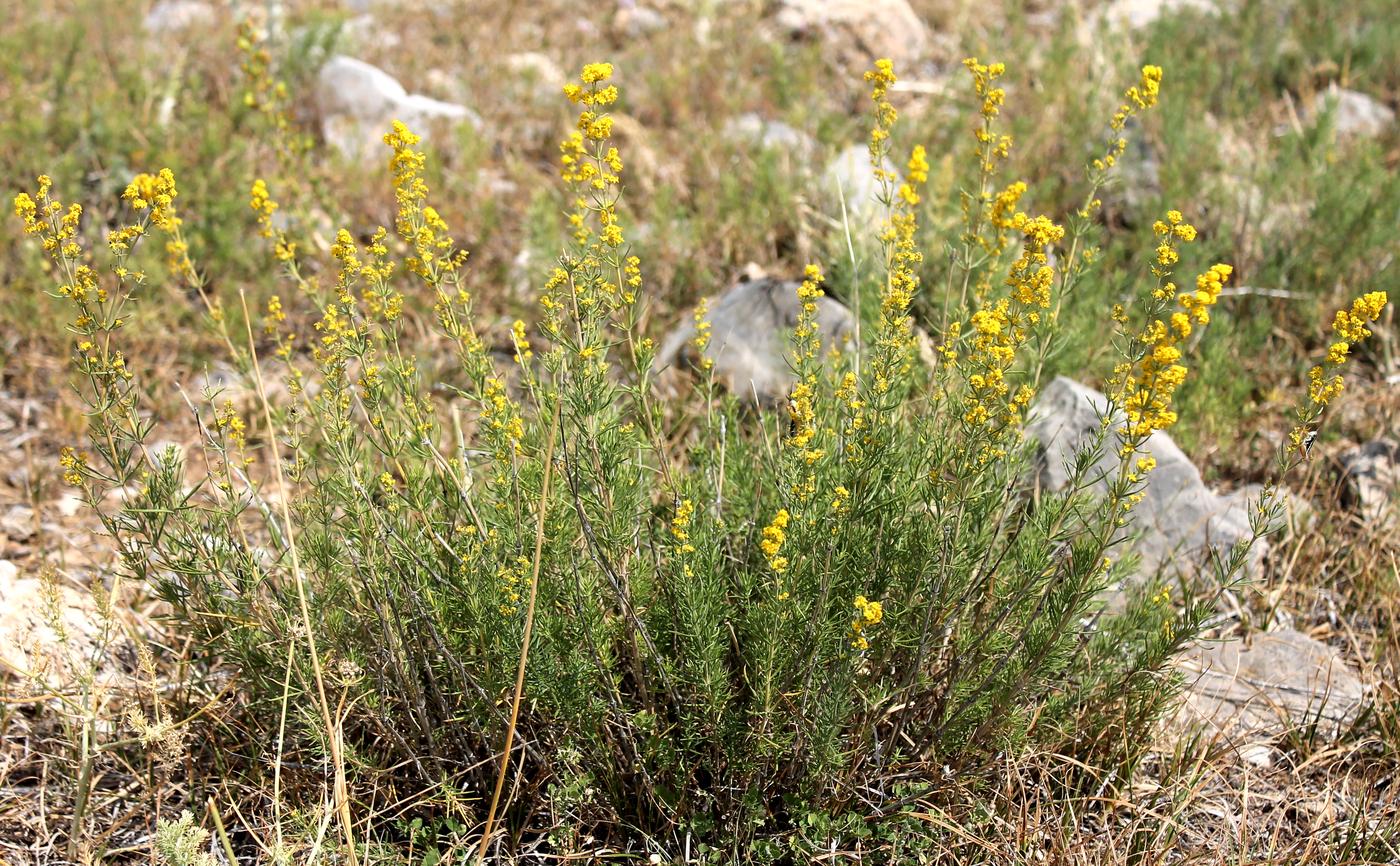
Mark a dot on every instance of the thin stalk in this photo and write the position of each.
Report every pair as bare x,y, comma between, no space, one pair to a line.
341,795
525,639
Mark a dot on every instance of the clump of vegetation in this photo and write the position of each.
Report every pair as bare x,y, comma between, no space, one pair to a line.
557,612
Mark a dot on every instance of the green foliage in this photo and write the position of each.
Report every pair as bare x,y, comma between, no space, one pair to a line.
762,630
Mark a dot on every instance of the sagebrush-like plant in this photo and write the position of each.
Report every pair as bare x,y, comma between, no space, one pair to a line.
742,624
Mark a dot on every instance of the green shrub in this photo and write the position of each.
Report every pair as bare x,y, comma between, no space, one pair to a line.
761,631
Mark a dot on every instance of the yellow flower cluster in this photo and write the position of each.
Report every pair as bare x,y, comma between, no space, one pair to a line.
153,195
511,575
1325,382
1000,329
518,338
156,193
680,525
802,415
918,175
57,234
389,489
1350,325
984,76
805,335
894,338
1003,209
701,340
1031,275
896,326
774,534
1136,99
74,465
502,418
880,78
588,164
990,147
854,428
840,501
418,223
1171,232
1152,381
231,427
57,230
275,315
868,614
260,201
597,280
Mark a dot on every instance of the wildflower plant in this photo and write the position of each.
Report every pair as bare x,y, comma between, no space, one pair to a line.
677,621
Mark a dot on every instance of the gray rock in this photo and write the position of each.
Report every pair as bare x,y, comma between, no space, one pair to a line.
756,130
638,21
1254,690
1371,477
1353,114
1296,512
857,31
18,523
366,31
175,16
750,337
1179,520
1136,183
45,628
543,76
851,176
1141,14
359,101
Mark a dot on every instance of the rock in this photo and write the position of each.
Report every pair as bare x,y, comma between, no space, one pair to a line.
29,641
1297,512
175,16
358,102
1254,690
1179,520
419,109
17,523
636,21
1371,477
365,31
751,326
851,176
1141,14
541,74
858,31
69,504
1352,114
1136,185
221,383
759,132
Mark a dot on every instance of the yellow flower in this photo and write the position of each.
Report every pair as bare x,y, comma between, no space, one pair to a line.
595,72
1325,382
262,204
1150,383
1350,325
156,193
1136,99
774,535
74,465
523,352
868,614
701,340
